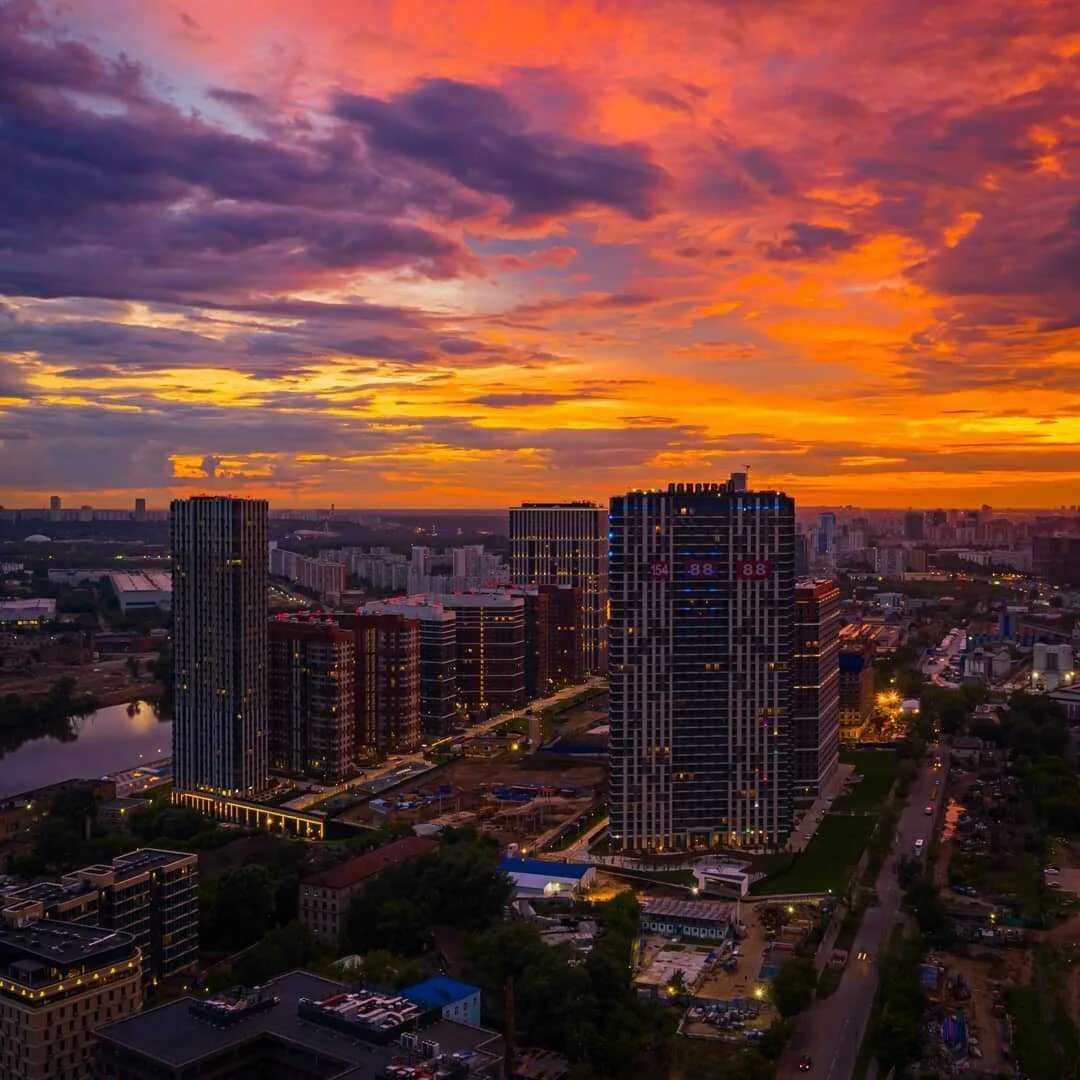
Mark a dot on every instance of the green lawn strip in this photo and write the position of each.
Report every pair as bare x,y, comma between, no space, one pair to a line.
878,769
828,860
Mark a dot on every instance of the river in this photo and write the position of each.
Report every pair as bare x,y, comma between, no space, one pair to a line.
107,741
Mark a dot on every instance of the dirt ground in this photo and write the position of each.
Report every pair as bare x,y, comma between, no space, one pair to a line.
475,773
108,680
722,986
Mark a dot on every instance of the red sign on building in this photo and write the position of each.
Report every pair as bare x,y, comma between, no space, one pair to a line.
661,571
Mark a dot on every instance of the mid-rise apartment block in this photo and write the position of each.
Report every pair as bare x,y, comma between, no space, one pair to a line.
312,698
221,729
566,544
60,981
700,660
816,687
151,894
554,638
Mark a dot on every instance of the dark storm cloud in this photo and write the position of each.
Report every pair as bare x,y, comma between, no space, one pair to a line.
480,138
805,241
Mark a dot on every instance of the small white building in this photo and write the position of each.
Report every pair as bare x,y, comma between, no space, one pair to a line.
538,877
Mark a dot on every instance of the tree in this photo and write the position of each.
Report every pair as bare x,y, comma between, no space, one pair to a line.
241,902
793,987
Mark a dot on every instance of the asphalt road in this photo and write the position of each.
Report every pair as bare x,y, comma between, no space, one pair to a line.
831,1030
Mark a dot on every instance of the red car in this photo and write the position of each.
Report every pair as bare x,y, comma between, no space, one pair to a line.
806,1063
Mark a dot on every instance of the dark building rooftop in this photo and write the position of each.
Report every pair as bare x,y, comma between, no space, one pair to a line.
357,869
190,1032
45,945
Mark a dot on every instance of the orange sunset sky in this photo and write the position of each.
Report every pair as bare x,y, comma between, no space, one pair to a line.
462,254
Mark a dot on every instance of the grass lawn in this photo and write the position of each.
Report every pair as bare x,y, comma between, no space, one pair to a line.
828,860
878,769
1010,874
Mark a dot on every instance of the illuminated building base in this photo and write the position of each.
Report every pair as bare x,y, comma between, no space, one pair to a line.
254,815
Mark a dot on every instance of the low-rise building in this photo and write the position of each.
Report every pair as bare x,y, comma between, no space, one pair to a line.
456,1000
538,877
60,981
300,1026
325,897
142,590
704,920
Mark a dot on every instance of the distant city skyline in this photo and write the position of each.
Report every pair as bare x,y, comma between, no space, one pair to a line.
564,247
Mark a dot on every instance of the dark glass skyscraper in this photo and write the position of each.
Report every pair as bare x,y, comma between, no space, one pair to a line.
700,661
816,697
220,720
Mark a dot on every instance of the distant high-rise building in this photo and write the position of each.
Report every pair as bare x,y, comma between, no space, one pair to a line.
802,553
490,632
140,509
388,678
826,534
438,657
1056,558
220,722
312,698
566,544
700,662
55,502
913,525
816,687
936,517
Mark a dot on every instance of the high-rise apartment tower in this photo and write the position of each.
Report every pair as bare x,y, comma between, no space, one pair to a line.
700,661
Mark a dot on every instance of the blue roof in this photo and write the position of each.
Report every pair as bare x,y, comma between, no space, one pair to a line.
439,991
544,868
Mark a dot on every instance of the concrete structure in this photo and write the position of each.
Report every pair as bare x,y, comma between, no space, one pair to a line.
490,636
312,698
142,590
700,659
325,897
703,920
388,682
438,657
539,877
856,689
27,612
221,726
457,1001
151,894
320,576
1051,666
816,687
566,544
60,981
298,1026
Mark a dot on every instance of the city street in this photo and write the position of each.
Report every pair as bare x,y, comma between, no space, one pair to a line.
831,1030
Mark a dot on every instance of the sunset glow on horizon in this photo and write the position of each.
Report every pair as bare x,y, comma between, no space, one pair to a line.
438,254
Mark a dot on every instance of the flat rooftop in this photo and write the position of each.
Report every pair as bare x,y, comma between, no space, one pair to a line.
176,1038
61,944
137,581
709,910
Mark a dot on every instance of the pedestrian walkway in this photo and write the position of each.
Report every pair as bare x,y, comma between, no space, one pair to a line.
806,828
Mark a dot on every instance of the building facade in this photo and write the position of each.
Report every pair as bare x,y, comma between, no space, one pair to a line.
700,660
220,717
856,689
59,982
554,638
566,544
388,718
312,698
490,633
151,894
438,658
815,705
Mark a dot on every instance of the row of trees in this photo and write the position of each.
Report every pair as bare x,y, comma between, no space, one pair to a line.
52,714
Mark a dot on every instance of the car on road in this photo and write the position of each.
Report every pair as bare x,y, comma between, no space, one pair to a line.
928,809
862,954
1051,870
919,845
806,1063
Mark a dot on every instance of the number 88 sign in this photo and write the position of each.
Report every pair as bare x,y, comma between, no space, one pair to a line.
753,570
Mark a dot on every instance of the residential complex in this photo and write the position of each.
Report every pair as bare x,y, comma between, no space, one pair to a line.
312,698
151,894
700,660
490,634
388,681
566,544
554,638
59,981
220,715
325,578
815,702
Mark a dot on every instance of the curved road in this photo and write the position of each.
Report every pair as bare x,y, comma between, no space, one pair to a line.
831,1030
